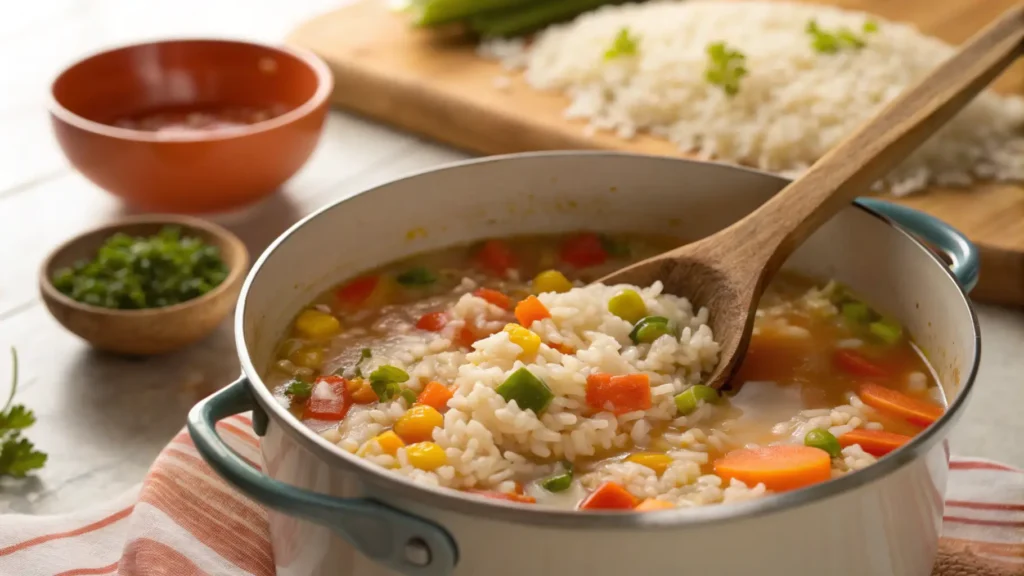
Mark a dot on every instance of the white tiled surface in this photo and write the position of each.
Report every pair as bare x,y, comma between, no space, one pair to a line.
103,419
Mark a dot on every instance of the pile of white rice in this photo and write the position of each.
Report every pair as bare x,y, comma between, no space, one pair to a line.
792,107
489,443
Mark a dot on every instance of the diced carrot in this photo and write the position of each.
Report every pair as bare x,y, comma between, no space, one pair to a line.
620,394
357,291
609,496
495,257
494,297
874,442
432,322
650,505
521,498
531,310
562,348
853,363
913,410
465,337
780,468
435,395
330,399
584,250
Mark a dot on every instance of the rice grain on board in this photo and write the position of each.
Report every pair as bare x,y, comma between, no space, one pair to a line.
794,104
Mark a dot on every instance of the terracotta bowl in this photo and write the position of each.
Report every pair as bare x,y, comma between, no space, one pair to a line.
104,108
152,330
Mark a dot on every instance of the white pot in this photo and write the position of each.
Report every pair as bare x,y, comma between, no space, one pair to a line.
337,514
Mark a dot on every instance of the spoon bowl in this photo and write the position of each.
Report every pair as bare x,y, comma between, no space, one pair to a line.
728,271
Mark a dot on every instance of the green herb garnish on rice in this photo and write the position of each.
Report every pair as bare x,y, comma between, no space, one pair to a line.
625,44
725,67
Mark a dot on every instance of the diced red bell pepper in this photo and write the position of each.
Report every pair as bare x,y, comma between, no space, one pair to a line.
466,337
329,400
584,250
609,496
521,498
432,322
496,257
357,291
622,394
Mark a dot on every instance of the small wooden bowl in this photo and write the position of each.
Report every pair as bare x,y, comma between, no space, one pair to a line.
98,108
152,330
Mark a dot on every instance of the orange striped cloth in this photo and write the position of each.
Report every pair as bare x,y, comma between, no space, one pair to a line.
184,521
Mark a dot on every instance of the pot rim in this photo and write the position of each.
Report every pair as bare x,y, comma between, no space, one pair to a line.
455,501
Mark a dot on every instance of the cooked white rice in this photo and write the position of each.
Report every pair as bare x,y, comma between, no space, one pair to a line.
793,106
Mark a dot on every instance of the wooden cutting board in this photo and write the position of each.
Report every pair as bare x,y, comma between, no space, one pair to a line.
433,83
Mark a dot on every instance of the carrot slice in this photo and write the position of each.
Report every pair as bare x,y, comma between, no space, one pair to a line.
494,297
432,322
609,496
650,505
435,395
584,250
561,348
779,468
357,291
913,410
495,257
620,394
853,363
531,310
874,442
521,498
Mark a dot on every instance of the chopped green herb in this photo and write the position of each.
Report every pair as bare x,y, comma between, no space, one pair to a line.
842,38
528,391
615,248
417,277
364,355
385,382
624,44
725,67
649,329
144,272
409,396
299,388
887,330
18,455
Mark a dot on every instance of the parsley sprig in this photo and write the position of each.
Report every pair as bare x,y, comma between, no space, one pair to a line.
624,44
18,455
725,67
830,42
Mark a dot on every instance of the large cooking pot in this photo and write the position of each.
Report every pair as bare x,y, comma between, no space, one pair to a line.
332,513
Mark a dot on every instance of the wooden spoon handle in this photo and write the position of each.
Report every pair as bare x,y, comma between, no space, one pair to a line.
849,169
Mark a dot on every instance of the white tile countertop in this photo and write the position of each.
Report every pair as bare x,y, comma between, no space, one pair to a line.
103,419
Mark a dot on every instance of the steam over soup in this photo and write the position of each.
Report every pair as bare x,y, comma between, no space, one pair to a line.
497,370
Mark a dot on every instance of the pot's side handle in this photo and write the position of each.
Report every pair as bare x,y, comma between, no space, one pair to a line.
962,253
400,541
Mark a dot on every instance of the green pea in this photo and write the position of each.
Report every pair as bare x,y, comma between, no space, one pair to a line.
628,305
650,329
689,400
528,391
824,440
558,483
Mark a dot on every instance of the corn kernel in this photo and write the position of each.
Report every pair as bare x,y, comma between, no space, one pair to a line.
523,338
551,281
426,456
418,423
308,357
389,443
316,324
656,462
361,391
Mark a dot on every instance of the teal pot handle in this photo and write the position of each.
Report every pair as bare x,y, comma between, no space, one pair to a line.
962,254
400,541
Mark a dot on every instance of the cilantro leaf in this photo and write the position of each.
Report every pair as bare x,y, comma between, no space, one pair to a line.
18,456
385,381
828,42
625,44
16,418
725,67
298,388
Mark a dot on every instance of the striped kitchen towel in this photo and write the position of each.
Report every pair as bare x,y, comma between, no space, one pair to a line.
184,521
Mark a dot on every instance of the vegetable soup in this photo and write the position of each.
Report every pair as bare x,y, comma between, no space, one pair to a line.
497,369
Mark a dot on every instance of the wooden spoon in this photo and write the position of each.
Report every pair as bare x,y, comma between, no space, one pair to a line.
728,271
